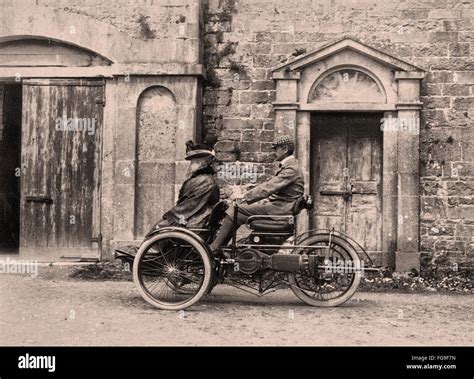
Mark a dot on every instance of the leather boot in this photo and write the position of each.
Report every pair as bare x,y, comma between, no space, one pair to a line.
223,235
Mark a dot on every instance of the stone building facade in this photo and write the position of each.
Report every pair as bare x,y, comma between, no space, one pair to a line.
237,73
246,102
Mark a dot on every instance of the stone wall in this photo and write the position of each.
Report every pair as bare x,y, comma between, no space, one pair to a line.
245,39
148,31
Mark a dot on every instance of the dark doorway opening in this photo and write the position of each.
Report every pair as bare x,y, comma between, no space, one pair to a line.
10,159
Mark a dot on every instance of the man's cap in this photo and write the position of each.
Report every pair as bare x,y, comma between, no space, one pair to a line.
283,140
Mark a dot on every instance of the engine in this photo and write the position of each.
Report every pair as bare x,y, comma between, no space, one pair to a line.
249,261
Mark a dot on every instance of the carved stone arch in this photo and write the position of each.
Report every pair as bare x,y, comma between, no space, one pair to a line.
40,51
329,86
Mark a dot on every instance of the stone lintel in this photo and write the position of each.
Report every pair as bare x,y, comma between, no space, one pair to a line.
285,106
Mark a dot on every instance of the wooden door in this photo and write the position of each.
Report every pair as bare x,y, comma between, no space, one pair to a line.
60,177
346,176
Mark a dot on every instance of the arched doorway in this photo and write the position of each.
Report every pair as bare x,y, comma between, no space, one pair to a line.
55,107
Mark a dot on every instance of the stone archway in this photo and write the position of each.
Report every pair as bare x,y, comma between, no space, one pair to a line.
385,84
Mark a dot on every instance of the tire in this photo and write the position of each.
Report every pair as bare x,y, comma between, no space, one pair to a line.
169,255
343,249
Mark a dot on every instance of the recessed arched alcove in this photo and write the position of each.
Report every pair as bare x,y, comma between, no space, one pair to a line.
156,145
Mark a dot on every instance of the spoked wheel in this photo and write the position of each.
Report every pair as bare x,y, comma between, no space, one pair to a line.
334,284
172,270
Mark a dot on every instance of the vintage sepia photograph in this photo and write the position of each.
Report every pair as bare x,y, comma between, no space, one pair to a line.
237,173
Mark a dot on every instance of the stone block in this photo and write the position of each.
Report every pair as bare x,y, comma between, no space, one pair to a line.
125,172
432,208
463,77
459,49
268,60
460,212
437,37
466,36
226,146
460,188
263,85
457,201
405,262
256,157
445,13
432,102
231,135
226,157
217,97
257,135
262,111
257,97
252,147
432,187
434,117
431,90
463,103
461,169
442,229
456,89
439,77
430,50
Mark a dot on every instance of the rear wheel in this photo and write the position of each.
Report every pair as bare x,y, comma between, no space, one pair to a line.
172,270
337,281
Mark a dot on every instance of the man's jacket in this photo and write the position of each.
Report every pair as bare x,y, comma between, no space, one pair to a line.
286,186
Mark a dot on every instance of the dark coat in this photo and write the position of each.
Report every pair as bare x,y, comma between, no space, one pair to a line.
197,197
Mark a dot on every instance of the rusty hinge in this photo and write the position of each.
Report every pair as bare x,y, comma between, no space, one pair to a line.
101,101
39,199
97,239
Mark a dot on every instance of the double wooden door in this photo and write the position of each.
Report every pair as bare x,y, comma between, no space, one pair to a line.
346,175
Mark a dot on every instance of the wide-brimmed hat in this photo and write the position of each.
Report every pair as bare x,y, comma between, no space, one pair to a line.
283,140
194,151
199,154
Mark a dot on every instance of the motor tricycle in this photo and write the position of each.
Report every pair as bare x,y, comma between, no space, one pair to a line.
174,266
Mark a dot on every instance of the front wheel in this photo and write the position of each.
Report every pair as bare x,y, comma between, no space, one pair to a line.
337,281
172,270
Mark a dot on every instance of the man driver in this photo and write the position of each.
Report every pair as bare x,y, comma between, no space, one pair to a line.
276,196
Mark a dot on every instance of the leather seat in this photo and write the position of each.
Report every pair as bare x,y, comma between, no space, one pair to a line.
265,224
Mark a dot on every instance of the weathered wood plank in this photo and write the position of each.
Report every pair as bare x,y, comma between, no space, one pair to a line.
62,163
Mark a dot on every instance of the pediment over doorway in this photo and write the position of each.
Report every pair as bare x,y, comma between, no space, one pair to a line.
345,75
324,52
